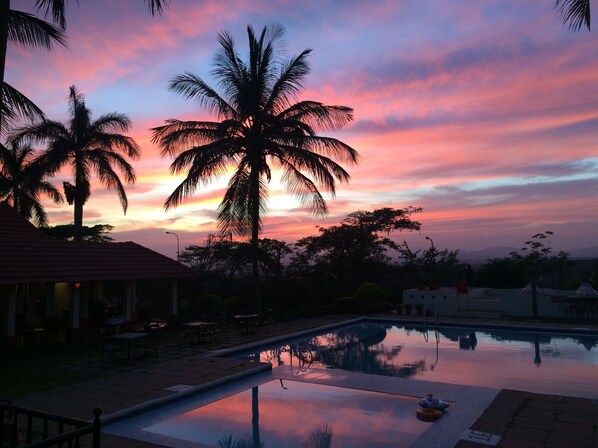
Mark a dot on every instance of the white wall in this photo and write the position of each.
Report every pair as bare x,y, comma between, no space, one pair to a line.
509,302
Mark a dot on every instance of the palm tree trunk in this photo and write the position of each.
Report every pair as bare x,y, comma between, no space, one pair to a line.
78,204
255,234
4,11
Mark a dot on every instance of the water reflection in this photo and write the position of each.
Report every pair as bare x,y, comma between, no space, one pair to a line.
300,414
457,355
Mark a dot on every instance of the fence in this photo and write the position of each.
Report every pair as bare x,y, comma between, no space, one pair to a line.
28,428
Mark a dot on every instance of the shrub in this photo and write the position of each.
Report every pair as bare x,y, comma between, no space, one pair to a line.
236,305
208,306
370,293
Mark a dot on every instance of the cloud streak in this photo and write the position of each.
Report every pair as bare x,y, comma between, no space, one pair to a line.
483,113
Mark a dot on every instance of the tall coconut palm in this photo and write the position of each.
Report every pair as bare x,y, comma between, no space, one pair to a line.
88,147
29,31
33,32
22,182
575,12
259,126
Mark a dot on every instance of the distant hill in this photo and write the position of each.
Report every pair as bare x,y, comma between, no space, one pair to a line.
486,254
586,252
477,256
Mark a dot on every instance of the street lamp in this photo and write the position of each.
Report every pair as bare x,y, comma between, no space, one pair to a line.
177,244
431,241
433,251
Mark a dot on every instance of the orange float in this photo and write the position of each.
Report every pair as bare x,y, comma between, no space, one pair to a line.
428,414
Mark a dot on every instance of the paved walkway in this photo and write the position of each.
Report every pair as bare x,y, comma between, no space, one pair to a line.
521,419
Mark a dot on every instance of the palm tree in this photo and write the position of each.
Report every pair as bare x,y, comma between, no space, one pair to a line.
87,146
575,12
31,31
22,182
259,125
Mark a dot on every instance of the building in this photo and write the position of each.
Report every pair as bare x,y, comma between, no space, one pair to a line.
43,279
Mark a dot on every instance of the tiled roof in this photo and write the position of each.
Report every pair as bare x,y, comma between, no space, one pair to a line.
29,256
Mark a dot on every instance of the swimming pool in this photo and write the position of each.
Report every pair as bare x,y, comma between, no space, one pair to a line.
550,363
360,384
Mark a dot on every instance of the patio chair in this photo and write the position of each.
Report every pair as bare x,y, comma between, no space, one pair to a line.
185,335
148,344
112,349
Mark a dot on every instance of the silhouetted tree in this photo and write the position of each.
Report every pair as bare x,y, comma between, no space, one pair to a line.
87,146
33,32
100,233
354,249
22,182
259,126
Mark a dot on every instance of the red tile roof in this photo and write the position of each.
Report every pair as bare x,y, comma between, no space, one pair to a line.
29,256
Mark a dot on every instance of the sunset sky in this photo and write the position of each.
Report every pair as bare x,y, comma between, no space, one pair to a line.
483,113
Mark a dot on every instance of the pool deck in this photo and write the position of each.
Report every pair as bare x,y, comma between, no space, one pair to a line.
521,419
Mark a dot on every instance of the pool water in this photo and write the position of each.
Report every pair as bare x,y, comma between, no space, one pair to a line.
564,364
286,414
360,384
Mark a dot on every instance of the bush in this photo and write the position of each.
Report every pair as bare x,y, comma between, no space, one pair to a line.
370,293
208,306
236,305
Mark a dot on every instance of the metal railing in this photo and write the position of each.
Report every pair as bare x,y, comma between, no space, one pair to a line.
28,428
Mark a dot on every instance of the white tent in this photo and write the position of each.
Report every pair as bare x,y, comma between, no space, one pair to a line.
586,290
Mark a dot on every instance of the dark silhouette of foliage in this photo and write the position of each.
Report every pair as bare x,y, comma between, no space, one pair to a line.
534,262
100,233
87,146
259,126
22,182
576,13
352,251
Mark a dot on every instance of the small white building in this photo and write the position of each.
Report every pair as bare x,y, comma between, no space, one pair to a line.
490,302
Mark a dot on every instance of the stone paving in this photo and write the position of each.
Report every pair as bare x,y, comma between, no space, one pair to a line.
521,419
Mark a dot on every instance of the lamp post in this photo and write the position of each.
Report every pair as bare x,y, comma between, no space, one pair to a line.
433,252
177,244
431,241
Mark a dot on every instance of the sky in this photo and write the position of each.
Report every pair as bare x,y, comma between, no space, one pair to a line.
485,114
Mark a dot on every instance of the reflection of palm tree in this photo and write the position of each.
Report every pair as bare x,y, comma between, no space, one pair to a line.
537,358
22,182
319,438
87,146
260,127
255,417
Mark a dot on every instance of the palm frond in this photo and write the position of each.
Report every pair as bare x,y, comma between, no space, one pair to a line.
55,8
290,82
156,6
176,134
193,87
16,106
319,116
32,32
575,12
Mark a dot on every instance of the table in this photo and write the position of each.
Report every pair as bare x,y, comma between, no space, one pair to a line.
199,326
129,338
247,320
